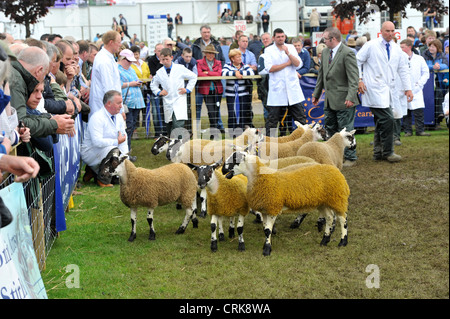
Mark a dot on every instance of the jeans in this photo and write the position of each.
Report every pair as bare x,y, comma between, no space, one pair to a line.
132,118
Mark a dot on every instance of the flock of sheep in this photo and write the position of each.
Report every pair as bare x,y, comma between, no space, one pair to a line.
269,176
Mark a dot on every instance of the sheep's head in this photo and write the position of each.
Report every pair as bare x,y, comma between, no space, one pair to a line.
205,172
319,132
173,148
235,164
349,138
161,144
117,167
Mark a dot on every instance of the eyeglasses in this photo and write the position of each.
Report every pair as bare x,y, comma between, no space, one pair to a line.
328,39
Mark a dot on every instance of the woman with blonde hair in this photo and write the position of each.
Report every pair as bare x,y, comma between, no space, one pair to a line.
236,92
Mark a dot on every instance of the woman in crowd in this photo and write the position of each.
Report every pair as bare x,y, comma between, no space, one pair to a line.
236,91
211,90
437,62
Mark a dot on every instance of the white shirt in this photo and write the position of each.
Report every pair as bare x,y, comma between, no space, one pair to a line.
100,137
284,86
105,76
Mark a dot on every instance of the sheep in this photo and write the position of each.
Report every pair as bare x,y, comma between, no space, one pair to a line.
161,145
297,133
273,192
226,198
155,187
206,151
332,151
271,150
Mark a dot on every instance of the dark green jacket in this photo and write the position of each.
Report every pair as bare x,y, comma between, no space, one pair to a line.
339,79
22,84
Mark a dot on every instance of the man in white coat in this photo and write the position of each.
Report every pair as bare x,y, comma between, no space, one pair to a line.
380,62
105,71
171,77
105,136
281,61
419,77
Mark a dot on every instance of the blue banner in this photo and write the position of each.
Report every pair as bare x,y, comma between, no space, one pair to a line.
363,116
67,168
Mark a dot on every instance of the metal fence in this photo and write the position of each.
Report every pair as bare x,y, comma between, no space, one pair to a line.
40,199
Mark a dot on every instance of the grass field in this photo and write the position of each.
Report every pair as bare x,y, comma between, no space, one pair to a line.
398,224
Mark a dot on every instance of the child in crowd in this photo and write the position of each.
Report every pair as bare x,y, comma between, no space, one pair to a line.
171,77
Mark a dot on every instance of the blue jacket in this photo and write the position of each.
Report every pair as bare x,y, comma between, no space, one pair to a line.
443,62
306,59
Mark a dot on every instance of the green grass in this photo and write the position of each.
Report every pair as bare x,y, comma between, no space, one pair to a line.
398,220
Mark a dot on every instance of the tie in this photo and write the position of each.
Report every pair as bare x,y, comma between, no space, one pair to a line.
168,71
113,118
243,58
387,49
331,57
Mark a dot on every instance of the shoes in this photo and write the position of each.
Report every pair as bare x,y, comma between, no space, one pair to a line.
393,158
349,163
88,175
397,143
423,134
132,158
104,185
440,118
408,134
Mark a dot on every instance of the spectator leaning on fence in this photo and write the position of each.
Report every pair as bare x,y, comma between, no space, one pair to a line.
27,72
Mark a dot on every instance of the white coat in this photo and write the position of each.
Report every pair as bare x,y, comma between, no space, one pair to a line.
379,73
105,76
419,77
100,137
173,101
284,86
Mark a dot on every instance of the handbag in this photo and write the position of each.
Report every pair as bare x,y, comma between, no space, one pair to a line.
125,107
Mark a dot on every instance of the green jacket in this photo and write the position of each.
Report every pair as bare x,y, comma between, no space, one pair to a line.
22,84
339,79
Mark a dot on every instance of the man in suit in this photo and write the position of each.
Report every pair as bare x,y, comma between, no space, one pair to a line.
338,75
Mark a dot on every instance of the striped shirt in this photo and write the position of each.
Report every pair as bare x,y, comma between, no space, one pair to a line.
230,70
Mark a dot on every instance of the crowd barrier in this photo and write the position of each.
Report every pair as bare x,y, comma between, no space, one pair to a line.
46,198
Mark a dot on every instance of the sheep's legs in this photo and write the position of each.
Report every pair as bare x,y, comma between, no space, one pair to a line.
133,213
194,213
203,203
214,220
231,228
343,223
297,221
328,213
152,235
221,232
268,221
183,226
240,230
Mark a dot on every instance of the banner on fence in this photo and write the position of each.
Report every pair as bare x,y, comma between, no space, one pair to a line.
363,116
67,168
20,277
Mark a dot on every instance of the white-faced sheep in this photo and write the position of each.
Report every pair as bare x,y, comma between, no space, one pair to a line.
332,151
273,192
204,152
141,187
271,150
226,198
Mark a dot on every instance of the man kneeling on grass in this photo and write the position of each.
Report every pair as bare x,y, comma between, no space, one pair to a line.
105,136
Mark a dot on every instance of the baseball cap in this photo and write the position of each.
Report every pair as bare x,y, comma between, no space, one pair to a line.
128,55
